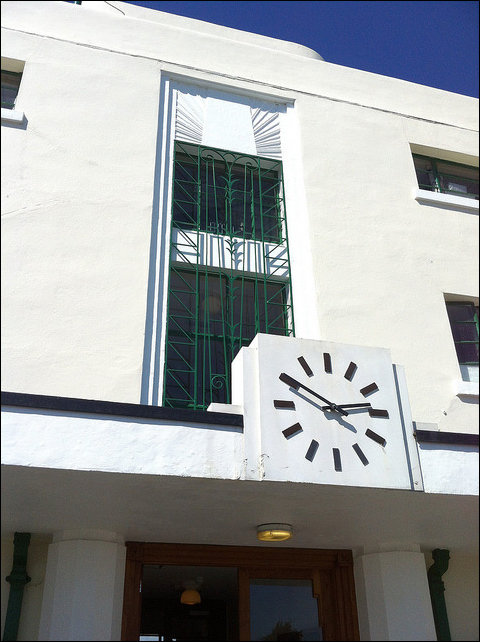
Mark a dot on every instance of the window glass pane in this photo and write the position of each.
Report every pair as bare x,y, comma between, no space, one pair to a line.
464,324
425,175
465,332
10,85
467,353
461,311
283,610
458,171
185,189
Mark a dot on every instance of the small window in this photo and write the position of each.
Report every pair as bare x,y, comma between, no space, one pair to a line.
463,318
437,175
10,86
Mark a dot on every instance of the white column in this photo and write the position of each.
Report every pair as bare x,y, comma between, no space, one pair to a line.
83,594
393,597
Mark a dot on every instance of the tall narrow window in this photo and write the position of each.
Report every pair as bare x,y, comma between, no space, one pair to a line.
463,318
229,269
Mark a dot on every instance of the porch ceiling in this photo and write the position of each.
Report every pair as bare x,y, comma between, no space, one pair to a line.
214,511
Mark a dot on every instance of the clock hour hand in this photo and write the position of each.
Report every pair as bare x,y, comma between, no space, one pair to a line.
293,383
350,405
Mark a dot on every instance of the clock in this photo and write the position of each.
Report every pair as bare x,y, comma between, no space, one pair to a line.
325,412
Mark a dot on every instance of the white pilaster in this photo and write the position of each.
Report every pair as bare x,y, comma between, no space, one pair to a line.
393,597
83,592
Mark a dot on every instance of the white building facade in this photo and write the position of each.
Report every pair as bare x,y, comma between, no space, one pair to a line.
238,289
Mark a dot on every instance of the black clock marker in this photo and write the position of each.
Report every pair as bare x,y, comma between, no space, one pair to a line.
351,370
279,403
327,362
312,450
289,381
360,454
292,430
337,462
369,390
305,366
378,438
373,412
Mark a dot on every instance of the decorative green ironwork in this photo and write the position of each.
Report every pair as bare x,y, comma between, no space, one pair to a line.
437,590
17,580
229,268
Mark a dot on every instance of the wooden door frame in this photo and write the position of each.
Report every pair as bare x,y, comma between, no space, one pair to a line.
330,570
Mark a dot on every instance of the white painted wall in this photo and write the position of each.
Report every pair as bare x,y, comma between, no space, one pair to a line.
123,445
449,468
79,197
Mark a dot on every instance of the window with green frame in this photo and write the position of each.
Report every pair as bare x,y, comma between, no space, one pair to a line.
437,175
214,310
463,317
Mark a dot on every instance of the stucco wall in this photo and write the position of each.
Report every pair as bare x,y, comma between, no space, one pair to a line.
77,207
78,203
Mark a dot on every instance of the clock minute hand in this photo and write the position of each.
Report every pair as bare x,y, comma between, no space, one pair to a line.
353,405
293,383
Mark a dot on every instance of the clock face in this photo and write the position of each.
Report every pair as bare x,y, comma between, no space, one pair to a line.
352,412
326,413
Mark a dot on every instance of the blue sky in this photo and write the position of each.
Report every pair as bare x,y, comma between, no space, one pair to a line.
430,43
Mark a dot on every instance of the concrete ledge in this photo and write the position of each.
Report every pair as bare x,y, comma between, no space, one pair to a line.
12,116
467,388
447,200
70,404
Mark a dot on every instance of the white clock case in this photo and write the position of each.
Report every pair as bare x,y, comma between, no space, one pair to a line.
270,456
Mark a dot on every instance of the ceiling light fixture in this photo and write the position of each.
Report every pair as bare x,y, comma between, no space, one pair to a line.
274,532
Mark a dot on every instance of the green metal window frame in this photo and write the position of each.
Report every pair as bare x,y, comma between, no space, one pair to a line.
10,82
234,202
470,326
438,179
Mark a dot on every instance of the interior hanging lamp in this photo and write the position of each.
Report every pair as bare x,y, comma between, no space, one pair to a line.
190,596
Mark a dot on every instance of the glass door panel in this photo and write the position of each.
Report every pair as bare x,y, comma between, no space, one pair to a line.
283,609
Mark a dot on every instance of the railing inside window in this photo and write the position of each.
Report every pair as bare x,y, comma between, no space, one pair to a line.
445,177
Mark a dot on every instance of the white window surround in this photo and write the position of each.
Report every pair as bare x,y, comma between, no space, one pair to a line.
466,388
468,385
446,200
12,116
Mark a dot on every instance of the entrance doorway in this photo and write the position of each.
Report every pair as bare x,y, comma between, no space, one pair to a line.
245,593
